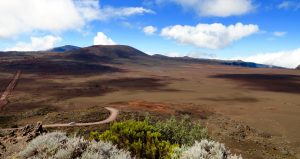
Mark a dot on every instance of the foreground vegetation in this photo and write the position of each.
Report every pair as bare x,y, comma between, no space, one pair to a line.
170,139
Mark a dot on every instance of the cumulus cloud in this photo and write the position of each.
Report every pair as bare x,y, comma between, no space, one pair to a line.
19,16
149,30
288,59
218,8
102,39
279,33
211,36
36,44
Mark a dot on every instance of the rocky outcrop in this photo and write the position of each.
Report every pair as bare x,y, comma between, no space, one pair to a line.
13,140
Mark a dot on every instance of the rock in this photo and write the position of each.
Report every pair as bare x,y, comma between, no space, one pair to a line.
284,152
12,133
2,146
35,131
265,135
30,137
26,129
38,129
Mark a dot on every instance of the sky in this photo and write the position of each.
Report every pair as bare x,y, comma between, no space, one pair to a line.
262,31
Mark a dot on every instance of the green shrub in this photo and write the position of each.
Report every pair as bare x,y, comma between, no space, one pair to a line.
139,137
182,132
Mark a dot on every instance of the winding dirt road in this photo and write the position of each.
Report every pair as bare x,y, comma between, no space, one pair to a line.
113,115
3,101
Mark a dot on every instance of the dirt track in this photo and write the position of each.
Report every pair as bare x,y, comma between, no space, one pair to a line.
3,101
9,89
113,115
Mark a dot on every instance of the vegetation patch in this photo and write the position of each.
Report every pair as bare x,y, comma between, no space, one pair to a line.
58,145
153,140
141,138
165,139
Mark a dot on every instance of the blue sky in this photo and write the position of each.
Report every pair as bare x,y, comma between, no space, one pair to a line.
259,31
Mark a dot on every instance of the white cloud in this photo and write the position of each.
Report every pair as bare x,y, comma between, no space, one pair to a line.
110,12
36,44
279,33
192,54
218,8
284,5
289,5
212,36
19,16
47,15
102,39
204,55
149,30
288,59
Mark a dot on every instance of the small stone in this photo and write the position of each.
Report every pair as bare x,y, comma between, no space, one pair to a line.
2,146
284,152
12,133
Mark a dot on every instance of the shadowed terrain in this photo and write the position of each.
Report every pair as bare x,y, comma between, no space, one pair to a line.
254,111
43,66
269,82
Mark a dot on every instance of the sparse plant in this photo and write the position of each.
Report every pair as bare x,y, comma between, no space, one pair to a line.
183,131
141,138
58,146
206,149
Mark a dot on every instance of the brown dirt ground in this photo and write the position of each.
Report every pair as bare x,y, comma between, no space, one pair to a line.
255,112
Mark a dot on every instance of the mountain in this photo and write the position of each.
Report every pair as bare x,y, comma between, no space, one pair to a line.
64,48
298,68
239,63
104,53
76,59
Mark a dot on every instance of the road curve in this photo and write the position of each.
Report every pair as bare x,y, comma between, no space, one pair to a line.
113,115
3,101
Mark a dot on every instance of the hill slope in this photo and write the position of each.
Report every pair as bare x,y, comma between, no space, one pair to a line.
112,54
64,48
104,53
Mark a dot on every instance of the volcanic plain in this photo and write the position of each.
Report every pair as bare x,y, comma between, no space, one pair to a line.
254,111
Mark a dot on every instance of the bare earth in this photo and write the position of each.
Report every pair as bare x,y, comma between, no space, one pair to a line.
254,111
112,117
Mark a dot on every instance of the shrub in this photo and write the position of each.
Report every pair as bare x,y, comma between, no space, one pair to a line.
57,145
206,150
139,137
182,132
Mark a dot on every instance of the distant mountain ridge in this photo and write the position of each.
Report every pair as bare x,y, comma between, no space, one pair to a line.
104,53
64,48
120,54
298,67
215,61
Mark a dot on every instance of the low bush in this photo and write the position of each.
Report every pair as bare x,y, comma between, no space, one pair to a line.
205,150
182,132
141,138
58,146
